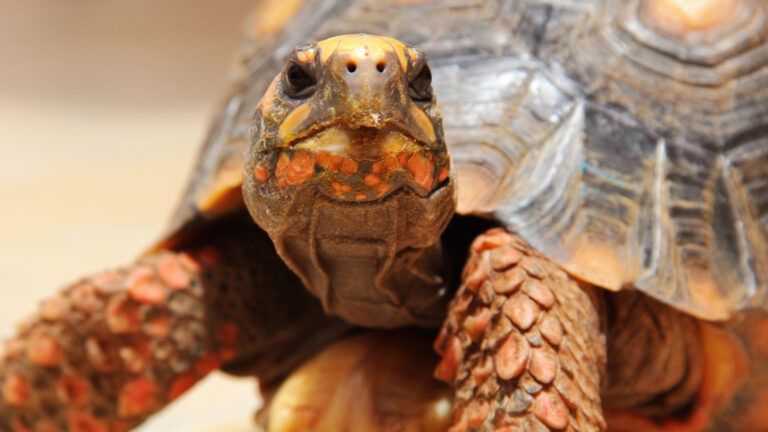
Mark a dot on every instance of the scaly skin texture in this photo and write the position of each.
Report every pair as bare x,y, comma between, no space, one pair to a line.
111,349
522,344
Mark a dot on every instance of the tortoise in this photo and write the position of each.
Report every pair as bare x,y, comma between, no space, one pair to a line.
599,170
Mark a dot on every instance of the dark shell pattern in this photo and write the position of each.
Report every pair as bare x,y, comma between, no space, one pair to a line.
633,157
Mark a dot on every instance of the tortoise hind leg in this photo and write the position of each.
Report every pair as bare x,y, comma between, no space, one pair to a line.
522,344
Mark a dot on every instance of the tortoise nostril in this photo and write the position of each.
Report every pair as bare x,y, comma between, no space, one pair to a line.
351,67
380,66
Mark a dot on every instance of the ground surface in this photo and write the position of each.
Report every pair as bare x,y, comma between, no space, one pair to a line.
101,112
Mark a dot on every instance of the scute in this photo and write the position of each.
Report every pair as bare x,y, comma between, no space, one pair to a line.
634,157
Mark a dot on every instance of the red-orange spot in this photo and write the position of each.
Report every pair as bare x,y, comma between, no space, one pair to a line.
158,328
326,161
189,263
73,390
122,315
449,365
360,197
299,169
385,165
372,180
16,390
335,164
260,173
43,350
421,169
477,323
181,384
144,286
137,397
382,189
349,166
282,163
402,159
339,187
512,356
172,272
443,174
81,421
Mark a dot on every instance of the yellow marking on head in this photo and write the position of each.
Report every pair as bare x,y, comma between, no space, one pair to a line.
268,100
362,45
395,142
288,128
682,16
306,56
269,17
424,123
333,140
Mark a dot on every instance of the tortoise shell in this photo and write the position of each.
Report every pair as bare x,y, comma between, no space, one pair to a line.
629,146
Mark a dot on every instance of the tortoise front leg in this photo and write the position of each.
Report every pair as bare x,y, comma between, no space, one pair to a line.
522,345
112,349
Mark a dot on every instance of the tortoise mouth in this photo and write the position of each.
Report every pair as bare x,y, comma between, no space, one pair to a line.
359,142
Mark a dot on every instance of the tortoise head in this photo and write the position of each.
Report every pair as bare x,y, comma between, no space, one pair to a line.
349,174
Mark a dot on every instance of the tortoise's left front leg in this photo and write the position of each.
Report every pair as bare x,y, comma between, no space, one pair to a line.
522,345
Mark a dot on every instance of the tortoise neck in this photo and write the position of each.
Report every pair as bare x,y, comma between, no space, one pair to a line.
378,265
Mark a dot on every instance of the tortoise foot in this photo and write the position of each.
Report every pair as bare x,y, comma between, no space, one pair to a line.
522,344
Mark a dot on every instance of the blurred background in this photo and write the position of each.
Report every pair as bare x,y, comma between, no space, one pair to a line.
103,105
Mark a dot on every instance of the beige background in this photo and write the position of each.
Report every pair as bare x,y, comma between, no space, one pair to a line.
103,104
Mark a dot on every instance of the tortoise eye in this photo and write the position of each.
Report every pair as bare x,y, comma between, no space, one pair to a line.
420,87
300,83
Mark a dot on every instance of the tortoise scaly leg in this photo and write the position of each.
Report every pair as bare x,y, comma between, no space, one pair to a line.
522,344
111,349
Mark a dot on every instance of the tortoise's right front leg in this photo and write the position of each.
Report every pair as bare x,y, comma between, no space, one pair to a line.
111,349
522,344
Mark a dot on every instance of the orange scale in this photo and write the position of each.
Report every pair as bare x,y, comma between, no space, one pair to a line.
422,170
372,180
382,189
349,166
299,169
402,158
282,162
261,173
443,174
